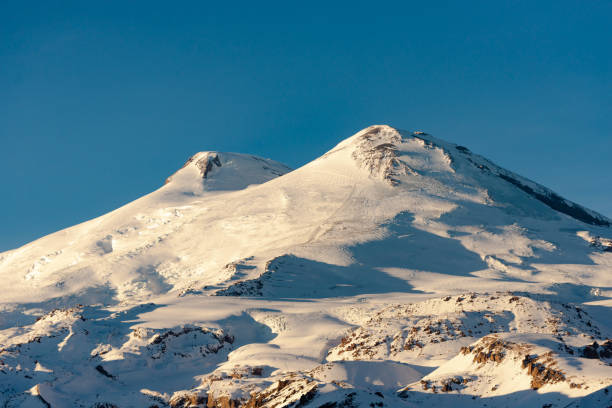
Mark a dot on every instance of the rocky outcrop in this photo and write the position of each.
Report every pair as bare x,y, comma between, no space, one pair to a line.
489,349
205,162
288,392
598,351
541,370
253,287
398,331
376,150
558,203
200,340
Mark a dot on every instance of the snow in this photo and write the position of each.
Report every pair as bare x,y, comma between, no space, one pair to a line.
349,280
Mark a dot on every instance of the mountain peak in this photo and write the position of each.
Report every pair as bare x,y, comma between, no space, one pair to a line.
374,133
203,161
377,149
422,161
389,154
212,170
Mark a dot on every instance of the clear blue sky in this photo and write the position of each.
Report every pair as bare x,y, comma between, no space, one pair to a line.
100,103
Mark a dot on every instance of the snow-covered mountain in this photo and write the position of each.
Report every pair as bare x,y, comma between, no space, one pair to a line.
395,270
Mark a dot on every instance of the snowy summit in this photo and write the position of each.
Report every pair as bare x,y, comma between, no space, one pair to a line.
395,270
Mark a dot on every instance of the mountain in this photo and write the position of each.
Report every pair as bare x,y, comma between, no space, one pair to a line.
395,270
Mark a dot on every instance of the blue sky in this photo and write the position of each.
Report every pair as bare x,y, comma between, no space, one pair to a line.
101,102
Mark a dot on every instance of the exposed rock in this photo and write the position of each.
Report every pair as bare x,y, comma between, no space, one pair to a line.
222,401
377,152
558,203
204,162
286,392
605,350
185,400
490,348
598,351
590,351
399,329
541,372
103,371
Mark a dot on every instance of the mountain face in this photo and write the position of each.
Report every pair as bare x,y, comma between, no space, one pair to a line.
395,270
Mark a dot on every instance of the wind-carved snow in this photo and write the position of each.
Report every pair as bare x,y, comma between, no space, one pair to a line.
394,265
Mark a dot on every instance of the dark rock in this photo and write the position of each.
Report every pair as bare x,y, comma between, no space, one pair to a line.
590,351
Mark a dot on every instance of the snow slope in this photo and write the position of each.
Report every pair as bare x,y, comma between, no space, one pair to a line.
395,270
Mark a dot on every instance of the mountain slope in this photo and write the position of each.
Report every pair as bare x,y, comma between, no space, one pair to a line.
273,269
